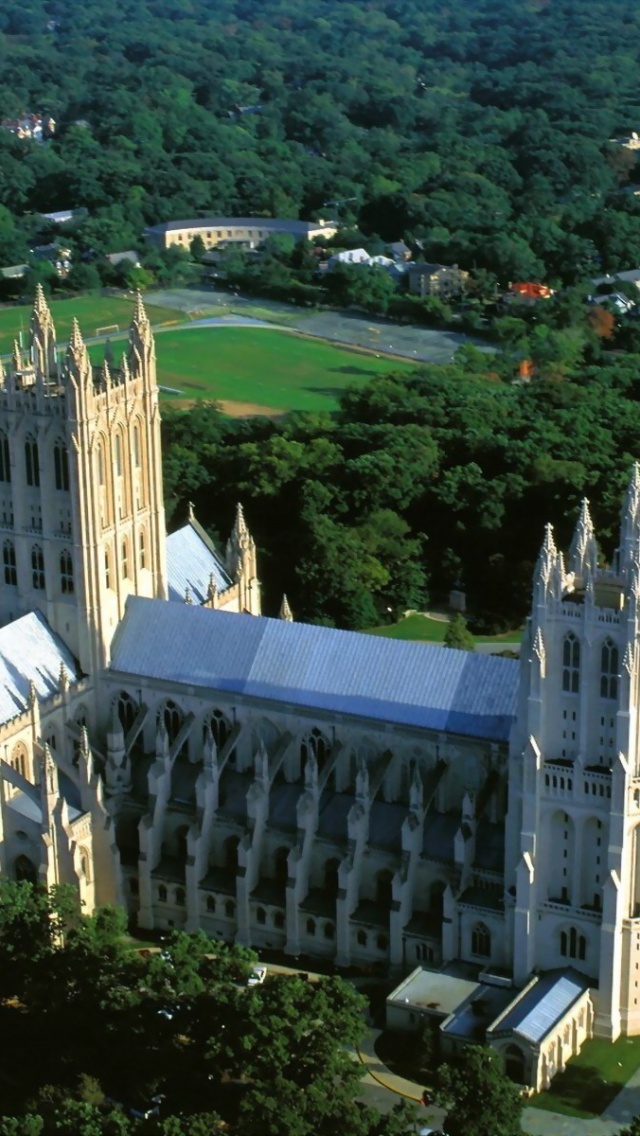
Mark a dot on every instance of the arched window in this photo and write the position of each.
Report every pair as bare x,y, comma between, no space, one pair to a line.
261,916
331,877
37,568
66,573
25,869
32,464
125,559
311,926
211,904
61,465
609,670
573,945
329,931
278,920
119,454
382,942
100,458
571,664
172,717
136,445
127,711
142,545
362,938
84,864
219,726
481,941
19,759
5,464
514,1065
9,560
229,909
180,897
107,568
162,893
318,745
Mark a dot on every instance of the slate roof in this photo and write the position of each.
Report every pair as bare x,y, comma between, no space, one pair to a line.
191,560
543,1005
412,684
30,652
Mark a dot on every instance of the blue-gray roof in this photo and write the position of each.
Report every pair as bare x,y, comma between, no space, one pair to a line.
544,1005
191,561
412,684
30,652
275,224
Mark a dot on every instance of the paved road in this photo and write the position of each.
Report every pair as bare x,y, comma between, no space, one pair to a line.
424,345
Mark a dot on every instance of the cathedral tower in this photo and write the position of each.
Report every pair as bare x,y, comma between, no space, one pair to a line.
81,506
573,826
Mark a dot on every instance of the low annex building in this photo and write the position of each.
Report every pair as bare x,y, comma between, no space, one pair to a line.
364,800
245,232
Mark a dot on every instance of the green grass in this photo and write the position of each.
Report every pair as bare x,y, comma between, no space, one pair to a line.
592,1079
91,312
262,367
422,628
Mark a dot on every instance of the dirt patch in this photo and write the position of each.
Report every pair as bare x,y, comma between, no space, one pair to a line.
230,408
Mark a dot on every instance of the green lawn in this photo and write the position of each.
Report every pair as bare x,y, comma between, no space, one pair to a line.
91,312
420,627
592,1079
265,368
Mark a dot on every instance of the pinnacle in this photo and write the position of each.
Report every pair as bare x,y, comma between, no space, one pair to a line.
17,356
76,342
240,527
139,313
40,303
285,610
548,544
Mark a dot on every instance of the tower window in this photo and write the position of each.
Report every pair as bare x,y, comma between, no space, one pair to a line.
125,560
571,664
609,670
107,568
32,463
573,945
5,465
119,455
136,446
37,567
9,560
481,941
143,549
66,573
61,464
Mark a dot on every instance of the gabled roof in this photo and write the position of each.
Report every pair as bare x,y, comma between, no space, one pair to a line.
30,652
543,1005
191,561
413,684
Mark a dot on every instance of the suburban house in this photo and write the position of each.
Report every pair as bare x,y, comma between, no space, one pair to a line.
442,280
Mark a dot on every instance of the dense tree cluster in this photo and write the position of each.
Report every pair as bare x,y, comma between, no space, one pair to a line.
419,483
481,130
92,1031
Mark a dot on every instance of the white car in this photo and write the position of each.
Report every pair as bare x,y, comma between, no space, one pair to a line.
257,976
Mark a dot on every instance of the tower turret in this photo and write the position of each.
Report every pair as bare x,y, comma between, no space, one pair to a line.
43,338
241,564
583,551
630,523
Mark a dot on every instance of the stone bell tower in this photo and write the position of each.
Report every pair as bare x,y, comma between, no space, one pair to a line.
81,505
573,827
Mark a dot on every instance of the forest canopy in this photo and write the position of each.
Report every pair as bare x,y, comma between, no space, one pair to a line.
482,130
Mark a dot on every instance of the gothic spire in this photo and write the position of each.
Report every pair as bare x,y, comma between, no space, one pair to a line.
76,342
139,314
285,611
548,577
240,530
583,552
16,356
630,527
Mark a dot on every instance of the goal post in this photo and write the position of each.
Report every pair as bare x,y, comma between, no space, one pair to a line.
109,329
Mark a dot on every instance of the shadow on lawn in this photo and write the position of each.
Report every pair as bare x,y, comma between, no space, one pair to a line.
352,370
582,1088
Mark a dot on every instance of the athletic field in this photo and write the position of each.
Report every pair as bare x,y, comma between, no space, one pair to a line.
95,315
255,370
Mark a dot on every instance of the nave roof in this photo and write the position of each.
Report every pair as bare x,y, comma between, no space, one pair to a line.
413,684
30,653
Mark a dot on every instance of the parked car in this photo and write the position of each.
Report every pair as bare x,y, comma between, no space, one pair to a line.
257,976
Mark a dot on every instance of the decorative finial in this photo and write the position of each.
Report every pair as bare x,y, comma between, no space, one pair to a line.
240,527
285,611
63,678
139,314
212,590
76,342
191,514
188,598
40,302
17,356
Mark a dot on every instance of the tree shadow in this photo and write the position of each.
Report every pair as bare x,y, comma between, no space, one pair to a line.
351,370
582,1087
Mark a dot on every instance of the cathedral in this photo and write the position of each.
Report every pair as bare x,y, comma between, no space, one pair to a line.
303,789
